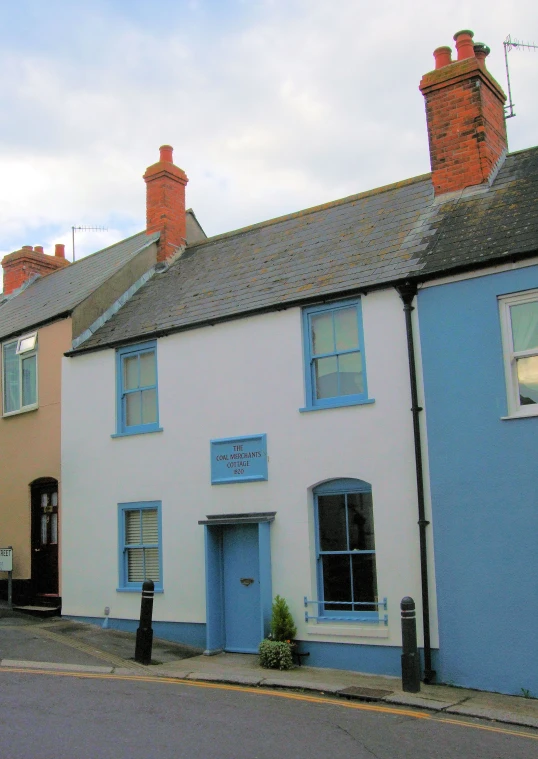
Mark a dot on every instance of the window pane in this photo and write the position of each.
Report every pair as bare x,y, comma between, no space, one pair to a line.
326,377
27,343
11,378
332,523
44,523
133,414
364,580
150,532
525,326
132,527
54,528
135,565
336,582
151,556
130,372
527,375
149,406
29,381
322,333
350,374
346,328
361,522
147,369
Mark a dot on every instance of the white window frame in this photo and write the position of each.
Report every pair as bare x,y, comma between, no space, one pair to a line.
510,356
23,352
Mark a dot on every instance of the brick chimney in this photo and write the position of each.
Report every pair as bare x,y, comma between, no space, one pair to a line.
24,263
165,204
465,116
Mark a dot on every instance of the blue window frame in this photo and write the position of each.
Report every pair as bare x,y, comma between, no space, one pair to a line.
335,369
345,551
140,545
137,390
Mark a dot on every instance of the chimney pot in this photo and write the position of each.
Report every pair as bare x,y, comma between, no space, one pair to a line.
481,52
443,56
27,247
38,249
59,250
464,44
166,152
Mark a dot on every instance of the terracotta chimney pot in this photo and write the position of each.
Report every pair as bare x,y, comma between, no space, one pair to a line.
166,153
481,52
443,56
464,44
59,250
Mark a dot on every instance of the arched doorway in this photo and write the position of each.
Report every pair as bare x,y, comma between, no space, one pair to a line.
44,498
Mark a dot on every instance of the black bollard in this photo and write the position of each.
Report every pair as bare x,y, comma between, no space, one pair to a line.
410,654
144,634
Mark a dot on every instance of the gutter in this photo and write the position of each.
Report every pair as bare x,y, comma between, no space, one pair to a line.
407,292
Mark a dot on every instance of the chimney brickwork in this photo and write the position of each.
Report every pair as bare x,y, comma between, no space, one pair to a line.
165,204
24,263
465,117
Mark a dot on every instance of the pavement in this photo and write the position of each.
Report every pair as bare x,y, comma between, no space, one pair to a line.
62,645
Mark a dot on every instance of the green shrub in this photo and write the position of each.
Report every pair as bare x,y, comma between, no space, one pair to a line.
275,654
282,625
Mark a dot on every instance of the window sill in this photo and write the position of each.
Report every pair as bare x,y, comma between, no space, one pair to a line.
337,404
138,432
346,630
531,415
20,411
136,590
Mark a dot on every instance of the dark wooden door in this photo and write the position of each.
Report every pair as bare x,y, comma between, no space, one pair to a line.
45,537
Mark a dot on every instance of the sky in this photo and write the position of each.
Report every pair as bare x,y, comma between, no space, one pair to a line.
272,106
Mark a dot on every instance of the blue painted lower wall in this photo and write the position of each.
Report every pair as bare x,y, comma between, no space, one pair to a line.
376,660
190,634
484,485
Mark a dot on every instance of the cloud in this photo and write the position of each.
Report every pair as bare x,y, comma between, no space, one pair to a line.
271,107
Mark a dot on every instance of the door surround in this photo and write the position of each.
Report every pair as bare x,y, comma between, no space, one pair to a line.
215,611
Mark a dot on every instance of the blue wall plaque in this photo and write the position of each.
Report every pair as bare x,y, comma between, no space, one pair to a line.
239,459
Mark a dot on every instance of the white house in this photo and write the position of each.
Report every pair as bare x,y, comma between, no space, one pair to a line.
241,428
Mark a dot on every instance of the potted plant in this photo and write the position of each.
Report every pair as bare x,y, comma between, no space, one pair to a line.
276,650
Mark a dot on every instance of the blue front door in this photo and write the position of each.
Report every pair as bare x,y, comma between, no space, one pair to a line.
241,580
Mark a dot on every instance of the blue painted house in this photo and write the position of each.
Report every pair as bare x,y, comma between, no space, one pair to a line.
482,419
477,309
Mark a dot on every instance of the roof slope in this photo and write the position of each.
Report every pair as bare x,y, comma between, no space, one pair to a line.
355,242
488,225
364,241
58,293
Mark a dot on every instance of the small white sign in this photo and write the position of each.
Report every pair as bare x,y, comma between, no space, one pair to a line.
6,559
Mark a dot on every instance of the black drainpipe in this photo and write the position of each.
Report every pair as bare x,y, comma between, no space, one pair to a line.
407,292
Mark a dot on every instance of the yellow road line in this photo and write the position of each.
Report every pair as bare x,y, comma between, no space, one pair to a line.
325,701
503,730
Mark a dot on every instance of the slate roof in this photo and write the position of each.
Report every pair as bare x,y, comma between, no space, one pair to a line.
485,226
58,293
369,240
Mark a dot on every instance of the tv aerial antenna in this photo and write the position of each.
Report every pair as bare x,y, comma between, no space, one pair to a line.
510,44
85,229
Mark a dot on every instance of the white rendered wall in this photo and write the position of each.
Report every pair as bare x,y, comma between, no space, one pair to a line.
239,378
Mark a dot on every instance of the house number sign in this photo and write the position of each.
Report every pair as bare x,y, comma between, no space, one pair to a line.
6,560
239,459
